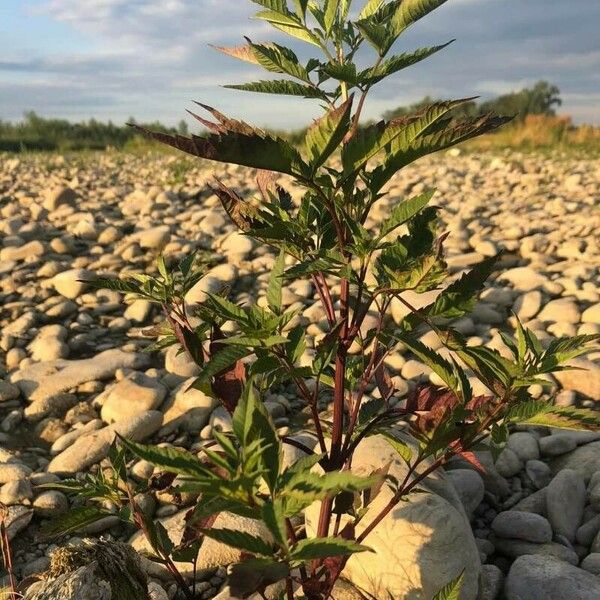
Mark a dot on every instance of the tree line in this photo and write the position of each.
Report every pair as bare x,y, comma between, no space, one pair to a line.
38,133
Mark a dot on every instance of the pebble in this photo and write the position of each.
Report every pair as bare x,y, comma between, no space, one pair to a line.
565,502
523,526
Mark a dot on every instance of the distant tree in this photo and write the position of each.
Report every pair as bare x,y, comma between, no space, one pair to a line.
541,99
182,128
468,109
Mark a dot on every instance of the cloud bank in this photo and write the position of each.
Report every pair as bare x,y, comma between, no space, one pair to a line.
149,58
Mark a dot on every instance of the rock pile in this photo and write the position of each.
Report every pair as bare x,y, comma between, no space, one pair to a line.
73,373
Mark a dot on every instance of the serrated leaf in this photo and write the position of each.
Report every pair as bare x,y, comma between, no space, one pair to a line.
169,459
420,138
411,11
329,14
75,519
402,448
326,133
404,211
282,86
369,9
232,141
451,591
325,547
275,287
273,518
240,540
396,63
290,24
244,53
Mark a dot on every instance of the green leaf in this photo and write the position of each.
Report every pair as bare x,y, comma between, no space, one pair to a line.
396,63
326,134
77,518
279,59
272,513
275,287
330,14
251,422
290,24
406,150
346,72
226,356
451,591
402,448
369,9
404,211
325,547
565,418
281,86
172,460
240,540
411,11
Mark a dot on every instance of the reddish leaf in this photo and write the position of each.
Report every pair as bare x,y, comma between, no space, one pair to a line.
228,384
472,459
239,211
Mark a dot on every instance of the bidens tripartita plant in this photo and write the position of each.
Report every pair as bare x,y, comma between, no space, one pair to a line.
343,168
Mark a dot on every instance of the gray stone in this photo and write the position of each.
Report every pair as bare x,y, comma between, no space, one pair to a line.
535,503
44,380
8,391
591,563
508,463
587,532
539,473
93,447
536,577
16,492
565,502
523,526
515,548
188,409
555,445
585,460
491,580
524,445
135,394
437,540
180,363
470,488
51,503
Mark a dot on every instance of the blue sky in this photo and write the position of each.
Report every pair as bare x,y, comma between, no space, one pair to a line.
111,59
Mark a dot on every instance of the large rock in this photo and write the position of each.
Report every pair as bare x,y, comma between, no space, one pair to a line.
71,283
585,460
135,394
523,526
586,381
565,502
47,379
423,543
93,447
212,553
189,409
535,577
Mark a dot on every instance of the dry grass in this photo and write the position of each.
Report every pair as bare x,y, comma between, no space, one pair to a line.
541,132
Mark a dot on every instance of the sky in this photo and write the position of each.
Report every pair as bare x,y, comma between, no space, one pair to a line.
113,59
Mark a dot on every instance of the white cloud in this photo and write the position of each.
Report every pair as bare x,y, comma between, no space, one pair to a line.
151,56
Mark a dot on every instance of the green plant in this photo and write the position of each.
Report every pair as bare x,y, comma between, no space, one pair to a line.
354,271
